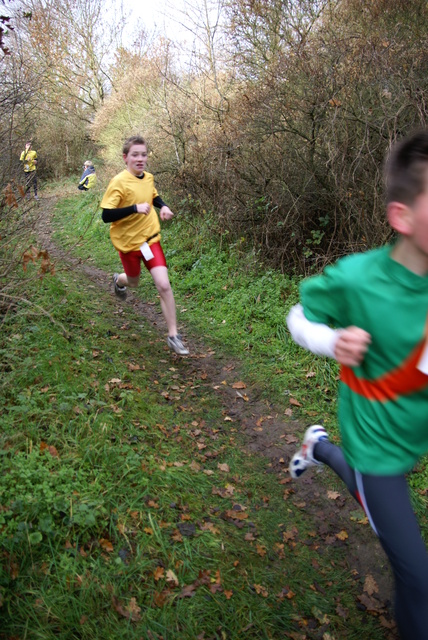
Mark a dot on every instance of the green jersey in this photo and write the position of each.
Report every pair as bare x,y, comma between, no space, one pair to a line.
383,403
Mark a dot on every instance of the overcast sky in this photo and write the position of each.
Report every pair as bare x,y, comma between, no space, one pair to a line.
154,14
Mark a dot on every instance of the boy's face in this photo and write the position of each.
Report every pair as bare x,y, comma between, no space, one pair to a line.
419,222
411,223
136,159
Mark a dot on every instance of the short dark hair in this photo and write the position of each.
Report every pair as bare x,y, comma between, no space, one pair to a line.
130,141
406,175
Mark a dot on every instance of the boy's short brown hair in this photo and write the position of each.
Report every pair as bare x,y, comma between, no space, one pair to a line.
131,141
406,170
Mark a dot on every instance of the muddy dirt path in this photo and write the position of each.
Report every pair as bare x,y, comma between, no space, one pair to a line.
267,433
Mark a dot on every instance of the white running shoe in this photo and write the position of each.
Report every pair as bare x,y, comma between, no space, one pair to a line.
175,343
304,458
119,291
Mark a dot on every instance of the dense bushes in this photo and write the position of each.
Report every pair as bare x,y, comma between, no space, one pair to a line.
276,126
282,138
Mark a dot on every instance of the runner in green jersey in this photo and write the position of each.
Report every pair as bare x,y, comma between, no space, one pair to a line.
370,312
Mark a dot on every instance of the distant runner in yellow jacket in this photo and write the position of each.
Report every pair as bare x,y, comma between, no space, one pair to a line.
29,159
88,178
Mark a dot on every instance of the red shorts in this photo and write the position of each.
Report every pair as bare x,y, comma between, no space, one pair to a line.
132,260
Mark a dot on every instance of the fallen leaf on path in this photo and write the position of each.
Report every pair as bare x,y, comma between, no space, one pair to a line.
370,585
209,526
236,515
158,573
286,593
333,495
261,590
342,535
50,449
171,578
216,582
371,604
106,545
134,367
223,467
185,517
388,624
290,534
341,612
290,438
160,598
188,591
132,612
226,492
239,385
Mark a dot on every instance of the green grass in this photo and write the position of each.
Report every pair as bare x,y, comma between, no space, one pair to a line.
116,520
104,482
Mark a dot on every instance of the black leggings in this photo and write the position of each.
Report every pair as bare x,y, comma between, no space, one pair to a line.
31,181
386,502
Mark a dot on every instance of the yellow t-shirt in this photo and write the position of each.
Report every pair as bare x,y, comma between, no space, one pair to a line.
131,232
28,157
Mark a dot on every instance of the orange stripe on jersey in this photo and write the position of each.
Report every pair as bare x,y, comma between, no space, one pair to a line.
403,380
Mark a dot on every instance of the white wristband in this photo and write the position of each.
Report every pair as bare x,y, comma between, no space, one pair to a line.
314,336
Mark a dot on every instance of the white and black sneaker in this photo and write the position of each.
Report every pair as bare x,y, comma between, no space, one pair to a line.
175,343
119,291
304,457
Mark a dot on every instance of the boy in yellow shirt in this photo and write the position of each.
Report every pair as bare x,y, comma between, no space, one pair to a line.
128,204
